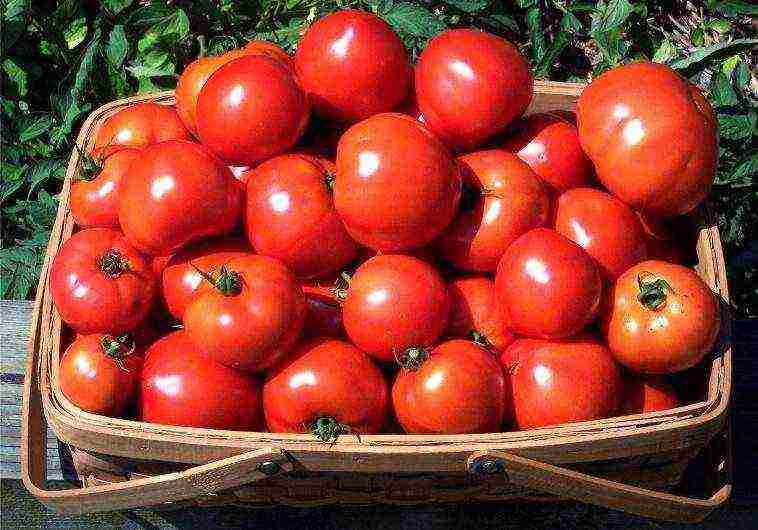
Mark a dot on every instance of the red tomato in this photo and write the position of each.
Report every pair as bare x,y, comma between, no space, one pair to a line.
458,388
177,193
100,373
649,394
397,187
250,109
327,387
352,65
604,226
503,199
474,309
291,216
138,126
100,283
181,386
249,316
666,240
549,143
270,49
94,201
324,317
470,85
564,382
662,318
393,303
652,136
409,107
547,285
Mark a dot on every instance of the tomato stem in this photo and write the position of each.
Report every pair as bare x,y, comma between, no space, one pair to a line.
327,429
481,339
118,348
90,166
113,263
652,291
227,281
412,358
329,179
341,287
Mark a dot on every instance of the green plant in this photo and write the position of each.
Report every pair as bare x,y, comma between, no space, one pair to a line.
61,60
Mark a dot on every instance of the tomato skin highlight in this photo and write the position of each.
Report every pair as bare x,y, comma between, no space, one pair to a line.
474,307
648,394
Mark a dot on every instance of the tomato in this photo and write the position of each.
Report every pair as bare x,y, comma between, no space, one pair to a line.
457,388
100,283
251,109
666,239
94,201
291,216
397,186
352,65
395,302
604,226
327,387
517,350
181,386
272,50
652,137
564,382
180,280
324,317
474,310
249,315
137,127
662,318
502,200
177,193
100,373
648,394
470,85
547,285
549,143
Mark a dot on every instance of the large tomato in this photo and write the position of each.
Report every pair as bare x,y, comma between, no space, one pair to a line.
394,303
547,285
324,317
275,51
327,387
662,318
291,216
177,193
602,225
182,386
474,313
457,388
470,85
502,200
352,65
248,314
250,109
100,283
397,186
648,394
652,136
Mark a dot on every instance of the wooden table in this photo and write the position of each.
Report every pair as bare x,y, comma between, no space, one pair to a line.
20,510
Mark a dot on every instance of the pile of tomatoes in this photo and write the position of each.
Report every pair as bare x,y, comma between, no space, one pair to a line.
342,242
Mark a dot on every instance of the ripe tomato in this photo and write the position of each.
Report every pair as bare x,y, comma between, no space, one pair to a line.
474,310
94,199
100,283
648,394
397,187
181,386
352,65
137,127
602,225
177,193
470,85
250,109
549,143
517,350
565,381
409,106
662,318
324,317
180,280
457,388
291,216
326,387
100,373
667,239
248,315
274,51
547,285
502,200
652,136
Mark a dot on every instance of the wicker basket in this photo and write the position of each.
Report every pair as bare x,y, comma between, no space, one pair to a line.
129,464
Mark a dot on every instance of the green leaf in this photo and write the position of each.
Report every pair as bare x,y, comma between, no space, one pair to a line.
414,19
177,27
149,15
116,6
610,15
14,10
737,127
721,92
536,35
503,21
88,64
468,6
38,126
17,75
569,22
665,52
13,179
737,8
75,32
117,46
702,54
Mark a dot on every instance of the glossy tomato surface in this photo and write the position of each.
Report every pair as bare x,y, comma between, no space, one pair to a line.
652,137
272,50
177,193
397,186
502,200
352,65
100,283
547,285
324,317
470,85
648,394
474,309
459,389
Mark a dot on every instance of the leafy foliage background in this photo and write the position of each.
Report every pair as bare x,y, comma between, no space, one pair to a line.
60,60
